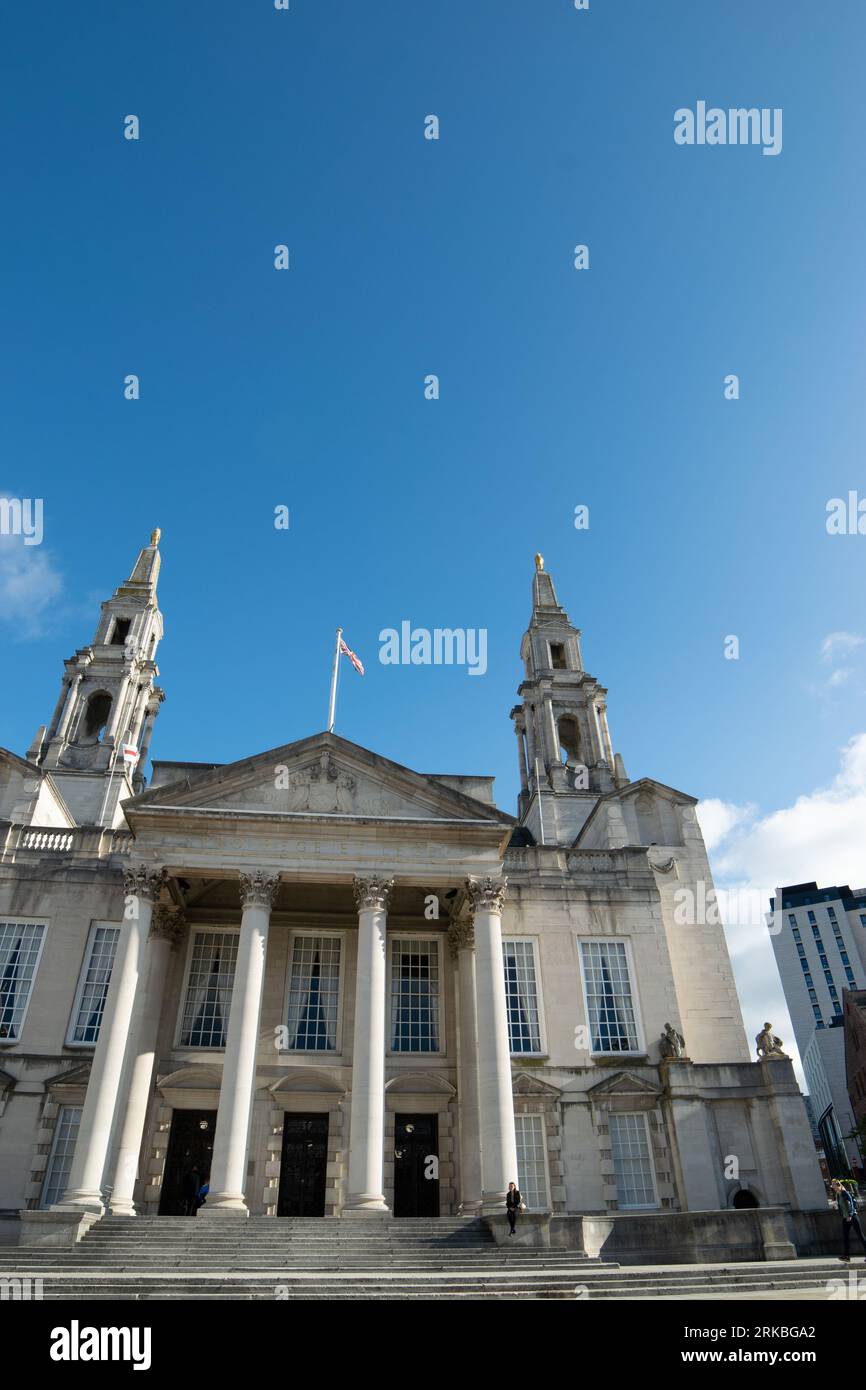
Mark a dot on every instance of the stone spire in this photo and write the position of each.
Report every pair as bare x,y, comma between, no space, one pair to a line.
108,697
564,744
141,584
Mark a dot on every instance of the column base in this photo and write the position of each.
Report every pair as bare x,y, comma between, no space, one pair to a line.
84,1203
493,1204
363,1204
121,1208
222,1207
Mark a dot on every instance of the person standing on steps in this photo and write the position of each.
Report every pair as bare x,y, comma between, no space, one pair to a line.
513,1204
850,1220
191,1185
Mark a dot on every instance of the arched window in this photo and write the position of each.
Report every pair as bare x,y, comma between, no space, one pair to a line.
569,739
96,717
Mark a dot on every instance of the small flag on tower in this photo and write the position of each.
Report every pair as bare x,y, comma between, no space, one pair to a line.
355,660
130,753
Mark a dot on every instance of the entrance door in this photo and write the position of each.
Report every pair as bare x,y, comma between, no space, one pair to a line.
416,1175
302,1171
190,1147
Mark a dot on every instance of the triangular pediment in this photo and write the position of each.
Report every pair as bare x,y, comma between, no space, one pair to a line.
76,1075
624,1083
320,776
526,1085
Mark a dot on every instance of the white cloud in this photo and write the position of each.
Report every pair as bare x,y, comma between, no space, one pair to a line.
718,819
821,836
839,643
839,676
29,585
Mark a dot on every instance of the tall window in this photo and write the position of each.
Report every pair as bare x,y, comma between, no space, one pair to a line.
531,1161
60,1158
93,985
314,992
20,944
414,994
609,1002
521,995
632,1161
209,989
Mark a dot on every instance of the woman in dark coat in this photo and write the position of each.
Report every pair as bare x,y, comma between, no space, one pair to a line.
513,1203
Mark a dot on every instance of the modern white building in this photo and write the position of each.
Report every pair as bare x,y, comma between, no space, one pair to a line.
332,985
819,940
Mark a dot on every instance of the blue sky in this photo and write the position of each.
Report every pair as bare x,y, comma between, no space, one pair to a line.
409,257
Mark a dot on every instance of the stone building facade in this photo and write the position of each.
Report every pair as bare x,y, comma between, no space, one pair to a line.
330,985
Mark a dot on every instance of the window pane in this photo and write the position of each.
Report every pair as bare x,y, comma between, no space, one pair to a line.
314,992
97,976
209,991
521,996
60,1161
612,1023
19,952
531,1161
414,995
631,1161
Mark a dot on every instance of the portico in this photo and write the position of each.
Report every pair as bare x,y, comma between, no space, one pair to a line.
343,999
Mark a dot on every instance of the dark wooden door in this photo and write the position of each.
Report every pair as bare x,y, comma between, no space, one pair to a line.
190,1147
416,1165
303,1166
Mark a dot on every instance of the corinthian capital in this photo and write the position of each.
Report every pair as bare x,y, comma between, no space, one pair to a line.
168,923
372,892
142,881
486,894
461,936
259,889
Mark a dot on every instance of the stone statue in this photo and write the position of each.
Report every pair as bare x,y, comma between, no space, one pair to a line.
769,1046
673,1044
539,563
154,537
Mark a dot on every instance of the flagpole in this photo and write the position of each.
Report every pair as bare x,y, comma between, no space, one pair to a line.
107,793
333,703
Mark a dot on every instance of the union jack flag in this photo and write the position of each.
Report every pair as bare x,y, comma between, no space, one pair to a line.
355,660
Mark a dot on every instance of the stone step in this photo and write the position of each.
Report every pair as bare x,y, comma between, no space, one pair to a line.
377,1288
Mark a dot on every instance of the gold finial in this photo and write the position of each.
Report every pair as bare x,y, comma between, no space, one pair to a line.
154,537
539,563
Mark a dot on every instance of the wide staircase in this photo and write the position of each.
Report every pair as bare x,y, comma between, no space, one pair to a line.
165,1257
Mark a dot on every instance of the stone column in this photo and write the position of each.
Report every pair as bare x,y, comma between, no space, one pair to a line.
553,732
229,1163
461,939
63,726
152,711
498,1146
119,707
65,688
521,755
608,746
142,886
531,751
166,929
365,1196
